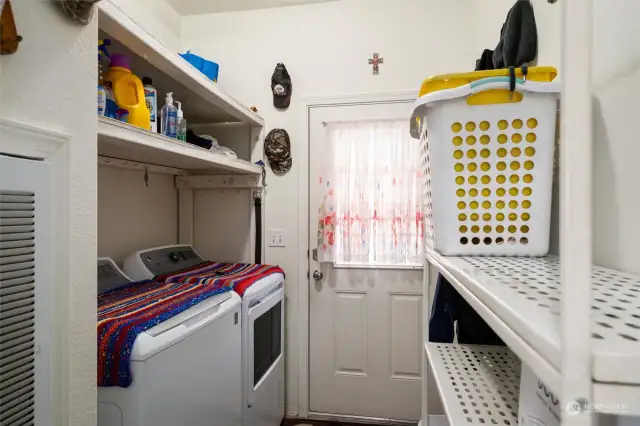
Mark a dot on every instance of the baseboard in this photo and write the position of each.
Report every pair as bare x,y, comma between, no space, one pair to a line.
320,419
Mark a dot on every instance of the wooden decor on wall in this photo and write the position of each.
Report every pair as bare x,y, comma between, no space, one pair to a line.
9,37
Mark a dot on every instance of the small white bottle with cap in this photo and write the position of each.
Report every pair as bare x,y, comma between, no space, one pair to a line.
169,117
181,127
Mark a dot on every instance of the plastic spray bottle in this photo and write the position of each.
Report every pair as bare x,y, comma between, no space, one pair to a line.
181,124
169,117
102,91
151,99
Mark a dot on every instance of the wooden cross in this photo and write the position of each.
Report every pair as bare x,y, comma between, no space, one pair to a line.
376,61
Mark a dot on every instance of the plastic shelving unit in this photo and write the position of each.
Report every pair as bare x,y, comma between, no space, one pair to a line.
479,385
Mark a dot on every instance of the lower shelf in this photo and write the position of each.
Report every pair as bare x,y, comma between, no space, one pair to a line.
479,385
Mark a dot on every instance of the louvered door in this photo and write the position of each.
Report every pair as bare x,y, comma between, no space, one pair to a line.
23,185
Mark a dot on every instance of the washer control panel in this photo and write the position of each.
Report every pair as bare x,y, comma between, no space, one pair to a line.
170,259
110,276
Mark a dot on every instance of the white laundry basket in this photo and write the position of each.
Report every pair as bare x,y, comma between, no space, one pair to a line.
488,162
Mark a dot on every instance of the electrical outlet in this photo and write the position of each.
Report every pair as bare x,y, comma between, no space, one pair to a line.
276,238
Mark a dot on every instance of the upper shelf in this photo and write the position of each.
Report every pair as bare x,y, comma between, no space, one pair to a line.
203,101
123,141
520,299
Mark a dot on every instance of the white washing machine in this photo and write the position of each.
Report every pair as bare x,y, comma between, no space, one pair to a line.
262,331
186,370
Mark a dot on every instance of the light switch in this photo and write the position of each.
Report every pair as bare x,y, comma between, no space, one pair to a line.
276,238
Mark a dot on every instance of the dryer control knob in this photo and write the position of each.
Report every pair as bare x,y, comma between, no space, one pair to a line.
174,256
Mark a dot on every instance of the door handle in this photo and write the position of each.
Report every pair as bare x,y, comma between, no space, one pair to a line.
317,275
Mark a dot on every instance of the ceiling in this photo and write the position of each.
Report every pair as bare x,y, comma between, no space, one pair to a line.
195,7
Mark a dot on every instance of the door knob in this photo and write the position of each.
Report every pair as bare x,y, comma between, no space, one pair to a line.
317,275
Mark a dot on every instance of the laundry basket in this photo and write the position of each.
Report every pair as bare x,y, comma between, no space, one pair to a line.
487,161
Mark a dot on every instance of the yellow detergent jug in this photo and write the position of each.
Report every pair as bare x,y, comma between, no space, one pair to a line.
128,92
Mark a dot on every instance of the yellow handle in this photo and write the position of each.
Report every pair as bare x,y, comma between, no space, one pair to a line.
130,95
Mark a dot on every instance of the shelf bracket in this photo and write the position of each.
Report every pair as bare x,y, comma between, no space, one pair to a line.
219,182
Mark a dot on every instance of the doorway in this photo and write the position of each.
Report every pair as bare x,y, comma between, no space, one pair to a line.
365,317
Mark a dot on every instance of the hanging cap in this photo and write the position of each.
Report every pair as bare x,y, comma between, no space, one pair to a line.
277,148
281,87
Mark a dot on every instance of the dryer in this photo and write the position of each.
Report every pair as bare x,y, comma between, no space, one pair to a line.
262,331
186,370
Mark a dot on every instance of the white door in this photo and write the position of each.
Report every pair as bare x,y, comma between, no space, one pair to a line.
365,323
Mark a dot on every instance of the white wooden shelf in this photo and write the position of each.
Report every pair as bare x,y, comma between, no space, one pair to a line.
478,385
203,101
123,141
520,299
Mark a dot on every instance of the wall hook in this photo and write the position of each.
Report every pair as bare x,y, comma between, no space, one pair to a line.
146,177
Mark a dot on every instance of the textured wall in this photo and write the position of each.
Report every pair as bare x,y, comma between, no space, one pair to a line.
51,82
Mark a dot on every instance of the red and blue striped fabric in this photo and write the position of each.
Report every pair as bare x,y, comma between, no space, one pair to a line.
127,311
237,276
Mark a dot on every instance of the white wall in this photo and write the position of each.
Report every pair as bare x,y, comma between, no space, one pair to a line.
51,83
326,47
133,216
616,88
155,16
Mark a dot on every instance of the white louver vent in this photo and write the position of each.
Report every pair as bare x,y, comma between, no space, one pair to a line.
17,308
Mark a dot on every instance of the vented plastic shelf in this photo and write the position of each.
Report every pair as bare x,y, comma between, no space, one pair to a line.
479,385
520,299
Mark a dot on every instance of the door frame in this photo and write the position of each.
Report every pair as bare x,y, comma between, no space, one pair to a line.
303,240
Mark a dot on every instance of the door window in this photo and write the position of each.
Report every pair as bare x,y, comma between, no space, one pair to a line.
371,213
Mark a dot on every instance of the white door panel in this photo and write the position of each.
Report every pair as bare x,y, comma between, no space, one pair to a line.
365,324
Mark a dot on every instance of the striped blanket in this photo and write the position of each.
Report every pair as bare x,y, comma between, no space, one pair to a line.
127,311
237,276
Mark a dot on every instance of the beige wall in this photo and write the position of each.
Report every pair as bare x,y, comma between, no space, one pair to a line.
157,17
133,216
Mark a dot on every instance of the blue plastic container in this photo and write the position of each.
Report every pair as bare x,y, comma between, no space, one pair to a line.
208,68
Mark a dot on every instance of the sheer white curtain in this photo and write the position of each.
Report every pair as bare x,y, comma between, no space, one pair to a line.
371,212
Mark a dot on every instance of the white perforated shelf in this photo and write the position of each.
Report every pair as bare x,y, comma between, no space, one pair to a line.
522,297
479,385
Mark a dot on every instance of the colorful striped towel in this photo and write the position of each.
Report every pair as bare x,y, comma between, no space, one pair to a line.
127,311
238,276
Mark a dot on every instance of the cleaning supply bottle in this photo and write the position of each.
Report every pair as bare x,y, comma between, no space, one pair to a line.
128,93
102,94
151,99
106,104
169,117
181,128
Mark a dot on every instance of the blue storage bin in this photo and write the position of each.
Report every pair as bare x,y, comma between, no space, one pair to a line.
208,68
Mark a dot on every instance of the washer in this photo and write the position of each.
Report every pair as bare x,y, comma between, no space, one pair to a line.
262,331
186,370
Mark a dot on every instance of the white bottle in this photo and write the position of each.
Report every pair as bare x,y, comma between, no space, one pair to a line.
169,117
151,99
182,124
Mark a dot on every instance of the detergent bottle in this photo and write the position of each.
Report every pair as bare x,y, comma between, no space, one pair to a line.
128,93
